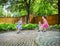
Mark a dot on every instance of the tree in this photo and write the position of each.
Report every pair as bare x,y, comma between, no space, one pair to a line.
45,7
59,11
36,7
27,2
22,4
15,6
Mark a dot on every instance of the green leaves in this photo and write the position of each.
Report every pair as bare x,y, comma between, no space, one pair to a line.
12,27
23,12
55,26
6,27
29,26
1,10
37,7
44,7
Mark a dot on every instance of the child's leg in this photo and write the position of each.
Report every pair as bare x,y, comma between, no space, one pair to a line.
40,29
44,29
17,30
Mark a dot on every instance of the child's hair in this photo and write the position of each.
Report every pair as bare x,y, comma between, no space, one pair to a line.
44,17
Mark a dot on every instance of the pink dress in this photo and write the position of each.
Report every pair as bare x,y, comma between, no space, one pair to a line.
45,24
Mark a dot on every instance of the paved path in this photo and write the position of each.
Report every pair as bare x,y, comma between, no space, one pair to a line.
30,38
50,38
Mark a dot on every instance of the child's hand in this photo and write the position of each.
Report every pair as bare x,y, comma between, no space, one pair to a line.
39,22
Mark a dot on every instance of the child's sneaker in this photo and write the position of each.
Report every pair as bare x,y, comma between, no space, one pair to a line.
43,30
38,30
17,32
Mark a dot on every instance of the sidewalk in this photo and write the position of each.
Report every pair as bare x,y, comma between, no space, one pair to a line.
30,38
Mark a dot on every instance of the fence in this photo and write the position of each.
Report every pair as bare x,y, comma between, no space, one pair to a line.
52,19
11,19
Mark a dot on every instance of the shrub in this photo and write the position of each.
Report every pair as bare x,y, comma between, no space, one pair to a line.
6,27
3,27
55,26
12,27
29,26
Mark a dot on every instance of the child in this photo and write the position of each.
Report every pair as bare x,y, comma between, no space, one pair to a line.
40,26
45,24
19,26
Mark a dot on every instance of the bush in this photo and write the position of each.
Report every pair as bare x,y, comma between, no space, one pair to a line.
3,27
55,26
12,27
6,27
29,26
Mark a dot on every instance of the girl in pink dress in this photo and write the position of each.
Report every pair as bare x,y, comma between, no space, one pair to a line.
45,24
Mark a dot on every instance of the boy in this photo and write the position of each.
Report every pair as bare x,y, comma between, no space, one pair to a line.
19,26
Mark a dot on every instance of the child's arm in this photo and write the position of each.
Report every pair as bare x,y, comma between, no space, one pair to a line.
39,23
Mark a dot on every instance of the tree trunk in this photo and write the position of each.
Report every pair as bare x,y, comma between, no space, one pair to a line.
28,10
58,11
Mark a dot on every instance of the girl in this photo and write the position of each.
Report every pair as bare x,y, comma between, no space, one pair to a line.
19,26
45,24
40,26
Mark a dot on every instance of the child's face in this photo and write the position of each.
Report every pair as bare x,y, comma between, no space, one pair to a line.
42,17
39,22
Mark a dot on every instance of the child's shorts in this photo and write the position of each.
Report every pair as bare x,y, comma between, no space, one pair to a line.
19,27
